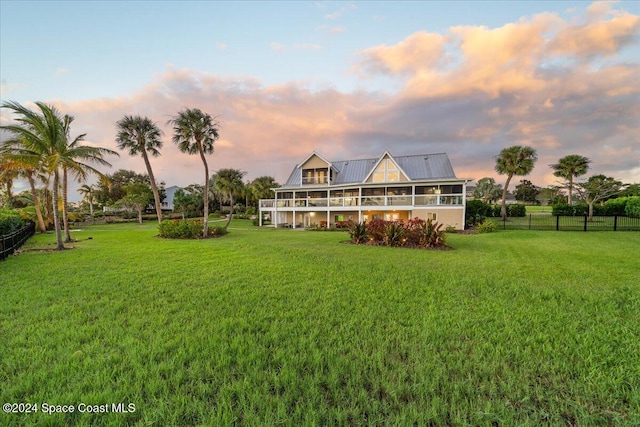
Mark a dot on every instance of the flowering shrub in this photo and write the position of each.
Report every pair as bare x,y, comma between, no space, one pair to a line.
416,233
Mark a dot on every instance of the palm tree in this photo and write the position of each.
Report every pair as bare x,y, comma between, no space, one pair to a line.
87,191
72,158
38,139
11,168
512,161
9,172
229,183
262,187
141,136
569,167
195,133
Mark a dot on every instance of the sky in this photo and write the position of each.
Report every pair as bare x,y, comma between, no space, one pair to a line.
345,79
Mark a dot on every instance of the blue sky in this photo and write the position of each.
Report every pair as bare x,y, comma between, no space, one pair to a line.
347,79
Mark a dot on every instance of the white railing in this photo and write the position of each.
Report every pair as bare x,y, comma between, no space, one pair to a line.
403,200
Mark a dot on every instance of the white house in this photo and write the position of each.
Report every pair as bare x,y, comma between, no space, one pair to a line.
330,193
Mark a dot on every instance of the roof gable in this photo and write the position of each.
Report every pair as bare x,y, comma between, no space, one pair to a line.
403,175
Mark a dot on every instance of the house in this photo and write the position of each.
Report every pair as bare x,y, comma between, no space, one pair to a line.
330,193
167,204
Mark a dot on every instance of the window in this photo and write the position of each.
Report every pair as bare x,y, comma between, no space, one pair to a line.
386,172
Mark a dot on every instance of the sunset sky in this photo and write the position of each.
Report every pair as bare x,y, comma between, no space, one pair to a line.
346,79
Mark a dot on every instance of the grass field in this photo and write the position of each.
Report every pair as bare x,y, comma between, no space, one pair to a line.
283,327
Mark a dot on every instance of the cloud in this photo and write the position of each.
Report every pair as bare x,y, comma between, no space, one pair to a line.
60,71
336,30
277,47
307,46
469,92
221,45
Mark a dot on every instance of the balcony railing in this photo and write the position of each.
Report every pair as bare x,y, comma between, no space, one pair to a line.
403,200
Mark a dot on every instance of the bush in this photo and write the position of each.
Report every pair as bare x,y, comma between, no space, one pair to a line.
181,229
633,206
256,221
616,206
580,209
516,210
10,221
487,227
217,231
416,233
476,212
250,211
358,232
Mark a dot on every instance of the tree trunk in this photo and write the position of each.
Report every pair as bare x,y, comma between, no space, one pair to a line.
140,216
205,196
570,200
503,209
230,211
93,221
65,214
36,202
56,213
590,211
9,203
154,187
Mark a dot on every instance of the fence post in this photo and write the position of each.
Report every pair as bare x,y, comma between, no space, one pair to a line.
585,223
557,222
615,223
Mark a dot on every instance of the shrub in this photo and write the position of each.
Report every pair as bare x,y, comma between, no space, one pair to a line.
633,206
450,229
487,227
376,229
217,231
516,210
256,221
10,221
250,211
616,206
181,229
394,233
358,232
579,209
476,211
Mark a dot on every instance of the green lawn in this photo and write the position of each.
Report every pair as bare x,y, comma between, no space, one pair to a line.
266,327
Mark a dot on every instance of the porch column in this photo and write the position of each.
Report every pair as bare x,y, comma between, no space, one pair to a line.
294,217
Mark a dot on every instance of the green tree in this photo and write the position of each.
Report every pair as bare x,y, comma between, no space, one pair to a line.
195,132
487,190
9,172
88,192
512,161
551,196
40,140
189,200
262,188
138,197
569,167
140,136
110,188
229,183
598,188
526,191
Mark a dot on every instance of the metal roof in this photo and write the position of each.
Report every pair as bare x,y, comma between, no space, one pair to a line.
419,167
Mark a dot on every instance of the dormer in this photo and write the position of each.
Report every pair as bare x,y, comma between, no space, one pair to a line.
386,169
316,170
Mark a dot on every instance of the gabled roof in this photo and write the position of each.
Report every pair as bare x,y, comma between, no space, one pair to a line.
420,167
310,156
385,154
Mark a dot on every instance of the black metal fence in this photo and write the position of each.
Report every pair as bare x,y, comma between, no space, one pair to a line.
10,242
570,223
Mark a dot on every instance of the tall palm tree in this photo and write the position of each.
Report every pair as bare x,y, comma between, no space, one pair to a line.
229,183
11,168
512,161
38,137
195,132
262,187
9,172
87,191
141,136
571,166
72,158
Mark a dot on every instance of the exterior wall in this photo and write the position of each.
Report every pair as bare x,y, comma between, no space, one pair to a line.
386,214
314,162
453,217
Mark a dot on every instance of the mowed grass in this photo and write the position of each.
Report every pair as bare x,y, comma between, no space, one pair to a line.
283,327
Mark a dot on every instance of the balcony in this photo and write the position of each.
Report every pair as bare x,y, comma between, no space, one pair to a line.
372,201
